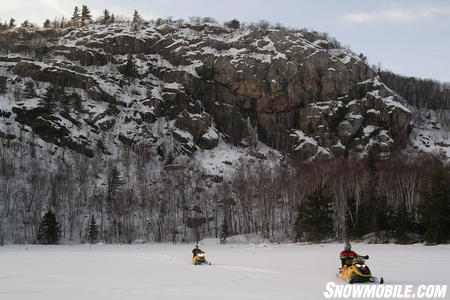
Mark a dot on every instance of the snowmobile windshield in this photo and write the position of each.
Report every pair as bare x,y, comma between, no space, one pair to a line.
358,260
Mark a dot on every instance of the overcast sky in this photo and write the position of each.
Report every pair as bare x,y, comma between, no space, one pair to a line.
409,37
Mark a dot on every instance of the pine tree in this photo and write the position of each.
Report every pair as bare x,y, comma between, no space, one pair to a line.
52,96
75,20
136,17
129,69
106,17
49,229
29,91
85,15
92,231
3,87
12,23
76,102
113,205
315,215
234,24
25,24
137,20
114,182
47,23
434,210
76,14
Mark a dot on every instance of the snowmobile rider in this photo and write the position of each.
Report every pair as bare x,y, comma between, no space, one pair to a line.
348,255
196,251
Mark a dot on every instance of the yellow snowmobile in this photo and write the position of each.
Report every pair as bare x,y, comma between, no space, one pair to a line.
355,271
200,259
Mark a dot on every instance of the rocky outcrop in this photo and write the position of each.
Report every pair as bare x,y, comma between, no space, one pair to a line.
53,74
49,128
195,82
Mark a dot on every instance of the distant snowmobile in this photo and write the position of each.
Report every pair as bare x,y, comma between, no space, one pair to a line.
357,271
200,259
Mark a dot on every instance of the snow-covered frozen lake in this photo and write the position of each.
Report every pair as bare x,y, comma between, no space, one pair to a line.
239,271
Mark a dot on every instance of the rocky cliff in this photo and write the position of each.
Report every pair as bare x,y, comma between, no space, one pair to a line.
189,86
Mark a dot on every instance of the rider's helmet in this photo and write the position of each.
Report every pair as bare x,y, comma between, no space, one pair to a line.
347,246
196,246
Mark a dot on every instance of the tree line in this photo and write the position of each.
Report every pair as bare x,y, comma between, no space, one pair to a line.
405,206
421,93
142,198
83,17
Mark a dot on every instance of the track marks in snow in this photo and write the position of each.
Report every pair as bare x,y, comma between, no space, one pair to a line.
248,269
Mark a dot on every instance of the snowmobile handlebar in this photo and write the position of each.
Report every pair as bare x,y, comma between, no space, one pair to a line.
359,256
363,256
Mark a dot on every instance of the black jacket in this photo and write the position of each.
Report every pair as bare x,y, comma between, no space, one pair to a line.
196,251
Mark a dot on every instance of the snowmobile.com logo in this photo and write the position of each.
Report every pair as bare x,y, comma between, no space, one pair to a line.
358,291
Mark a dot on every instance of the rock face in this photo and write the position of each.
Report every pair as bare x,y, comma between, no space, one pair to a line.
197,83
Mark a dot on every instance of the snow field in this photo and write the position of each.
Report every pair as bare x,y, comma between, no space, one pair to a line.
239,271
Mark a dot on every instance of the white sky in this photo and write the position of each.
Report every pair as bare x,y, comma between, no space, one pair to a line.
410,37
